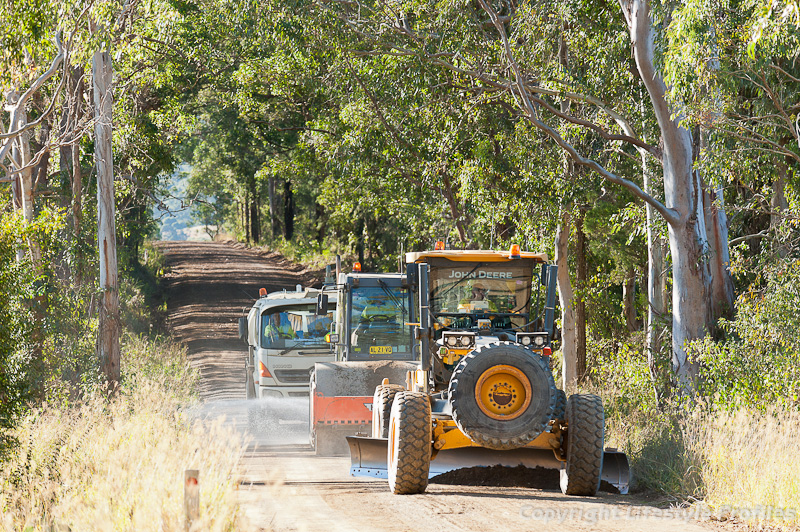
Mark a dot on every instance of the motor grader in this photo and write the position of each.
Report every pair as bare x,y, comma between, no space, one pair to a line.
372,340
484,393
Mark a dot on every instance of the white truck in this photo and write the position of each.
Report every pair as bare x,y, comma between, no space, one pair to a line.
285,337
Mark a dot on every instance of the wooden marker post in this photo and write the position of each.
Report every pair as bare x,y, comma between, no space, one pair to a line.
191,497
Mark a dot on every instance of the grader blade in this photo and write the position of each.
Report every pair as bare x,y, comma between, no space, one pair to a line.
368,459
616,470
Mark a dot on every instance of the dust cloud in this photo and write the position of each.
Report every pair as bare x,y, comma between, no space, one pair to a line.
271,421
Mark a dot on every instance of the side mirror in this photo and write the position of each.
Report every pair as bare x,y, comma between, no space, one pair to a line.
243,329
322,305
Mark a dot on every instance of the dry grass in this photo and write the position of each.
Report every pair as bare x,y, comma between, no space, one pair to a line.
750,466
119,465
742,466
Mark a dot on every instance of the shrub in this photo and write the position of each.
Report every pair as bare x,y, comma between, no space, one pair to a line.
758,364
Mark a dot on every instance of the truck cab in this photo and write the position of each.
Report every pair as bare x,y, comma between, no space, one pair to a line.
372,341
286,337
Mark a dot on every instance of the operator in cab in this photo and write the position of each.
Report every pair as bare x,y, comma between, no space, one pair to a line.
379,309
477,300
278,328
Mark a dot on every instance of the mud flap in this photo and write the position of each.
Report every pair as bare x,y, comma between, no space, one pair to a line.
368,459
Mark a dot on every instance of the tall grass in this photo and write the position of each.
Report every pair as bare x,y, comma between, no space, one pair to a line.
750,463
740,462
119,464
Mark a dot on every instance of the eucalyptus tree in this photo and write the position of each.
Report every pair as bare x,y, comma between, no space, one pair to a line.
505,48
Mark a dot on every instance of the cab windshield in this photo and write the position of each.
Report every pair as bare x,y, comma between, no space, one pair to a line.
297,326
463,292
379,322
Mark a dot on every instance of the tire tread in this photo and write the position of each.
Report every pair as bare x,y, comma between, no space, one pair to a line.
585,438
409,474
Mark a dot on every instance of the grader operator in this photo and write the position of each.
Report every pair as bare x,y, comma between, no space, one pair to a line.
484,393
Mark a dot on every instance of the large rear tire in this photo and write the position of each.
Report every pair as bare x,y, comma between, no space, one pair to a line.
584,445
502,395
409,454
382,408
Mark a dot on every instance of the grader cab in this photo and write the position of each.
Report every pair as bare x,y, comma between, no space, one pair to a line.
484,393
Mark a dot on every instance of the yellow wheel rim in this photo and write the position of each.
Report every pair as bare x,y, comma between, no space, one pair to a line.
503,392
392,435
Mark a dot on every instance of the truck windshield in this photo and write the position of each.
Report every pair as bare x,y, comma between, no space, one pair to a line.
378,322
294,327
464,291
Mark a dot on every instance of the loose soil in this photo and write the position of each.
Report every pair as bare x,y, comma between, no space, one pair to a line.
285,487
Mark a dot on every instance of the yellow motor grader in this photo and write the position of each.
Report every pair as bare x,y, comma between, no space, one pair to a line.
484,394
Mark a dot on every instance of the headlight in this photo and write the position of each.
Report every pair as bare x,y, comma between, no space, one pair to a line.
535,340
466,340
452,341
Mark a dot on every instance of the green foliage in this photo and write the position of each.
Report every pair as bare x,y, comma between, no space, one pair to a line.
17,289
759,362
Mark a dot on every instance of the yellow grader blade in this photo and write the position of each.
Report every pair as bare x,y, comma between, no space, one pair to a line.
368,458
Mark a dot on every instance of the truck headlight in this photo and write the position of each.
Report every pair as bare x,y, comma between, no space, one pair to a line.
458,340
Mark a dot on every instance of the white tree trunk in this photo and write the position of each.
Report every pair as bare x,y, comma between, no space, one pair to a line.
23,182
109,327
692,313
569,351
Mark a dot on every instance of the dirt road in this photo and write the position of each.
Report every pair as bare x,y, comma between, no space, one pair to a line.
285,487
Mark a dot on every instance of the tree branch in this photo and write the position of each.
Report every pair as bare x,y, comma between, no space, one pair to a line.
670,215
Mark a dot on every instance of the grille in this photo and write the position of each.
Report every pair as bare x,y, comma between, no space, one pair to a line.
292,375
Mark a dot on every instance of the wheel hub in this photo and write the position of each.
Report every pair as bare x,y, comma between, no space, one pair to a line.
503,392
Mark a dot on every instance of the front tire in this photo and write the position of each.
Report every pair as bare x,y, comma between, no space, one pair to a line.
561,405
409,454
584,445
382,408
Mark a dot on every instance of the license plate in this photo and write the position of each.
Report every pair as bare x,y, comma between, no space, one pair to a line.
380,350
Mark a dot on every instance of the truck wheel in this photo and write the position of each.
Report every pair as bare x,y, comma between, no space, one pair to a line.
409,455
584,445
502,395
561,405
382,408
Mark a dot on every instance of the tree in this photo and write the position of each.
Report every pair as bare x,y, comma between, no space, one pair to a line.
109,329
